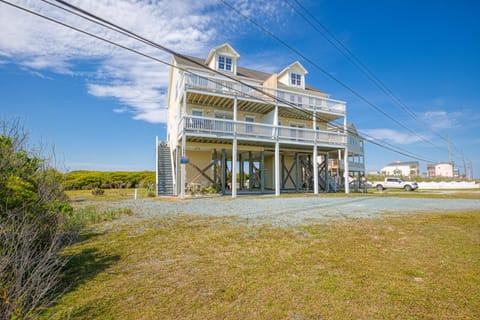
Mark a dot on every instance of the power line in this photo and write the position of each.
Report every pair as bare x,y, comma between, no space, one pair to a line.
354,92
127,33
138,37
346,52
361,66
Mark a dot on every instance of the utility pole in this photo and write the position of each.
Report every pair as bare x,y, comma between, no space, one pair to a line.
464,165
450,154
470,171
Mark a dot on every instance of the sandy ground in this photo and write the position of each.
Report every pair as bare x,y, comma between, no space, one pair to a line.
286,211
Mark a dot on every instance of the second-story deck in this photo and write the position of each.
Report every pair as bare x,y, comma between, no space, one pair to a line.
213,128
204,90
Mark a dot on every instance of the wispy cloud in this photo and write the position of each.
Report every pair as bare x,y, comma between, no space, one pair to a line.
438,120
391,136
139,84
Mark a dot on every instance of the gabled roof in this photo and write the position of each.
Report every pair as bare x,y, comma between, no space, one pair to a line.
296,63
242,72
225,45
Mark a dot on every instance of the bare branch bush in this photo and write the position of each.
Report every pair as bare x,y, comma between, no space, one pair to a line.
32,236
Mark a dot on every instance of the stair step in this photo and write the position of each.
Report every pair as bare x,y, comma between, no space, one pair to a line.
164,167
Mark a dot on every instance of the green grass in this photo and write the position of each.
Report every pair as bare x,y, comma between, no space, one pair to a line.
109,195
80,218
411,267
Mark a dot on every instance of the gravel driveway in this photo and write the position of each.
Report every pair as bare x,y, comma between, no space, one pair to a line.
295,210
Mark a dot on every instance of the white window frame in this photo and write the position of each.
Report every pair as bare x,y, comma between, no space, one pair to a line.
225,63
197,111
296,79
295,133
197,123
221,125
248,125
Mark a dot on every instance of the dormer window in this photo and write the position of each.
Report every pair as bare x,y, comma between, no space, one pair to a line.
224,63
295,79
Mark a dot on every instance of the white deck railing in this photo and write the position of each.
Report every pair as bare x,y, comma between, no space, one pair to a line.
285,98
222,128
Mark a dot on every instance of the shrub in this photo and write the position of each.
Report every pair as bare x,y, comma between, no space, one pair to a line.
32,206
98,192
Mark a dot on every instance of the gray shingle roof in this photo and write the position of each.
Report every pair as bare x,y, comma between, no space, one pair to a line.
242,72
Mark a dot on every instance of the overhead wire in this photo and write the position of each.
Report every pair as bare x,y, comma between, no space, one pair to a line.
328,74
360,65
147,41
126,32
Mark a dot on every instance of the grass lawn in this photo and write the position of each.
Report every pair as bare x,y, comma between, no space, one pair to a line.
109,194
412,267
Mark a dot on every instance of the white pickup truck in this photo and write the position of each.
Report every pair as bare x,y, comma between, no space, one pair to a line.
395,183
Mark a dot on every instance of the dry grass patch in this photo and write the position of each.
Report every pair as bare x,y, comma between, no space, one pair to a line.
412,267
108,195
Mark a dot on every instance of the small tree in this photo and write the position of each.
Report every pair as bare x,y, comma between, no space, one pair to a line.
31,207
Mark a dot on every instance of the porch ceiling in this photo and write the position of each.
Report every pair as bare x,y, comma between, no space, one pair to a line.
225,101
249,104
291,112
284,147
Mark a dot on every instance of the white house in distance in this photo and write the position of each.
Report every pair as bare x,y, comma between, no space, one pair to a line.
242,130
398,168
442,169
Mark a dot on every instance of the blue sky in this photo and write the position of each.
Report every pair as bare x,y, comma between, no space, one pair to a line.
101,107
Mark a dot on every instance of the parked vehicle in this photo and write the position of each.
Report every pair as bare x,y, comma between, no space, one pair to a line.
395,183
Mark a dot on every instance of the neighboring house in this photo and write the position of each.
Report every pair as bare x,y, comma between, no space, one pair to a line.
442,169
398,168
268,129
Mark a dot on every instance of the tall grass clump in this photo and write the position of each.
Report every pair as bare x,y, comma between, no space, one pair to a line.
83,217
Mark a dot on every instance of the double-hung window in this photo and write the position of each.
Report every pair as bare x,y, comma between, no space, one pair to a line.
295,79
224,63
249,126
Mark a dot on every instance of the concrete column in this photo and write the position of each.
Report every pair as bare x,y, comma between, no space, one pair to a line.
262,171
241,171
277,154
327,176
250,171
234,150
277,169
315,153
345,155
183,169
315,169
215,166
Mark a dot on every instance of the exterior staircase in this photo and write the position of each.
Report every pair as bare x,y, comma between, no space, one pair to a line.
164,170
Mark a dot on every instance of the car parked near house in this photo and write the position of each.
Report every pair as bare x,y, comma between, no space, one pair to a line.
395,183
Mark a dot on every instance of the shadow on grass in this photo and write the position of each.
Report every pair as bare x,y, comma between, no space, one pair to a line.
81,268
84,266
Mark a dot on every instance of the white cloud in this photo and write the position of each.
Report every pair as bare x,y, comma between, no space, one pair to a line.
438,120
191,27
391,136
